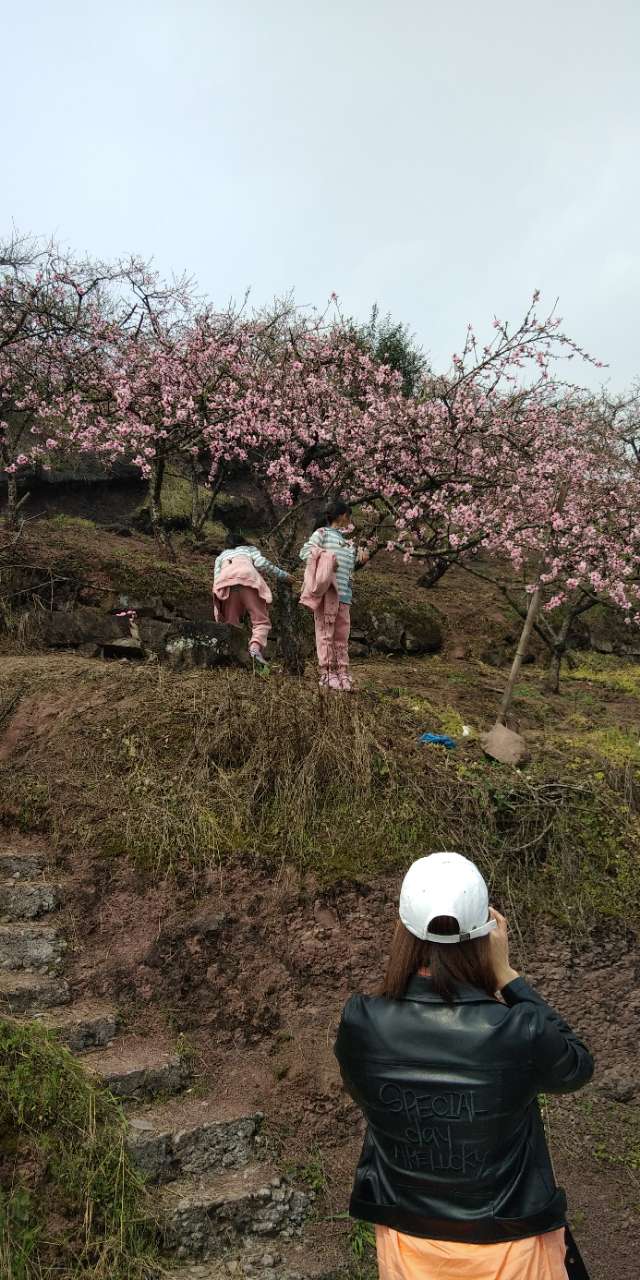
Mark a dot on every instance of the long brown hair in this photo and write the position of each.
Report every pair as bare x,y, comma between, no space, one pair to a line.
449,963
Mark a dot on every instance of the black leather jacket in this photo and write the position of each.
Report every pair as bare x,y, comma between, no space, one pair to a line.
455,1148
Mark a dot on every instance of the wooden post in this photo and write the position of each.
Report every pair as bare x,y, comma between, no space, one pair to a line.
523,645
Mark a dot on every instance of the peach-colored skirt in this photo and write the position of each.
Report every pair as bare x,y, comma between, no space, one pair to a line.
403,1257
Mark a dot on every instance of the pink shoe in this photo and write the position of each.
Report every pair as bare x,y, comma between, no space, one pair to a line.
324,679
334,683
346,683
256,653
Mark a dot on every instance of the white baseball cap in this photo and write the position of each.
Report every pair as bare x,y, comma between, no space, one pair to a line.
445,884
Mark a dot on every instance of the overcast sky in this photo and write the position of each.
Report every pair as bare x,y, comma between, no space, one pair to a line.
443,159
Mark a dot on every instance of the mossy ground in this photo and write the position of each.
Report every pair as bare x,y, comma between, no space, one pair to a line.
70,1202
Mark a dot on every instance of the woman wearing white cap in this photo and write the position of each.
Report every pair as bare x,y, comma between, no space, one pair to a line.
447,1064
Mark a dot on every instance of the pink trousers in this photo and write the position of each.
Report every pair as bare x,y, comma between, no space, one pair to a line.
332,640
244,600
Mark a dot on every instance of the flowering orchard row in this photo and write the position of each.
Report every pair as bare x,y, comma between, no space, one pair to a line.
502,459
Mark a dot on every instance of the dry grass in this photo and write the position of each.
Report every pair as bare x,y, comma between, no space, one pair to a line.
176,772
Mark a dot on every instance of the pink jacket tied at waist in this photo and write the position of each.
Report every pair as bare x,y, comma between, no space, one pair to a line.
320,586
239,572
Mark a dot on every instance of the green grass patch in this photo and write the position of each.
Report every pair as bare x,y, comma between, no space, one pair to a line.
70,1202
615,746
63,522
608,671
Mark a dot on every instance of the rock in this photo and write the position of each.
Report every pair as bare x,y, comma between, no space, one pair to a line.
460,652
199,1217
125,647
326,916
153,635
20,863
384,620
205,644
179,642
238,513
71,628
388,632
175,1141
618,1087
606,631
121,530
358,649
208,923
31,946
83,1026
27,900
28,992
504,745
137,1072
428,640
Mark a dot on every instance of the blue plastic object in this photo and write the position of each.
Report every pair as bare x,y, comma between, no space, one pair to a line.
441,739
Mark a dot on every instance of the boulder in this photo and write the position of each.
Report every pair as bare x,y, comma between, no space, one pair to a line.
179,642
606,631
72,628
386,632
387,621
184,644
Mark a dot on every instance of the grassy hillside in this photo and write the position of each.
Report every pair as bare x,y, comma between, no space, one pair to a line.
174,772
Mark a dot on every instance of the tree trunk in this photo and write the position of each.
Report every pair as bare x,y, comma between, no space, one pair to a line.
201,511
553,678
290,630
433,575
195,503
521,652
558,651
11,516
155,506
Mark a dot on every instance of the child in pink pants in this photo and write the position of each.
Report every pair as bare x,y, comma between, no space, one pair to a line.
247,600
332,647
240,589
332,628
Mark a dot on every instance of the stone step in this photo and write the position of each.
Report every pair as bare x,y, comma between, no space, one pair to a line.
82,1026
31,946
27,899
23,864
201,1218
24,992
191,1136
135,1068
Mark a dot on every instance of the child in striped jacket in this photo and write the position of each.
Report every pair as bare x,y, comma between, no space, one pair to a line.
239,589
332,632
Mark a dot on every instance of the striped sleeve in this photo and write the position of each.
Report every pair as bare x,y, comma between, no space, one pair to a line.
316,540
262,563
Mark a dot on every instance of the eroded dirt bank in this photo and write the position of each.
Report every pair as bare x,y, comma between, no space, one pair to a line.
249,977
